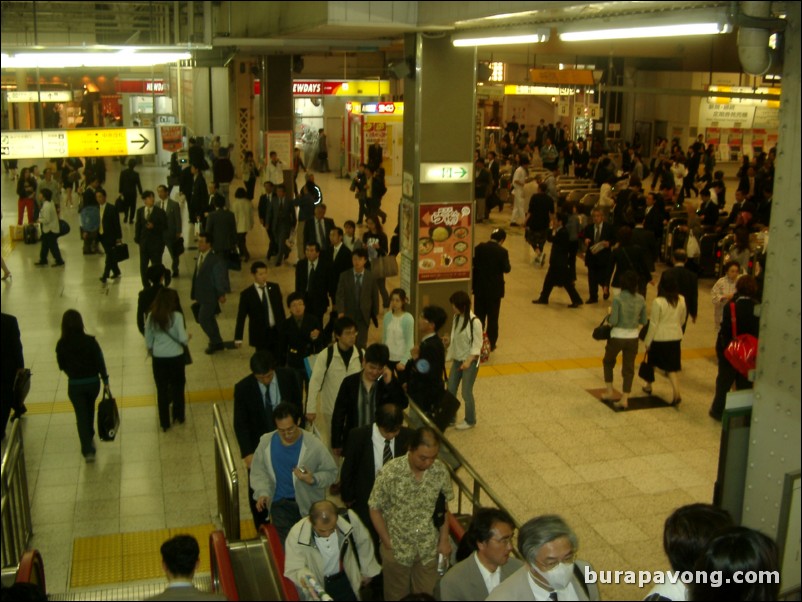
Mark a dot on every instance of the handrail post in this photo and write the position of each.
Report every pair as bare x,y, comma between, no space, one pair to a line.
15,506
226,478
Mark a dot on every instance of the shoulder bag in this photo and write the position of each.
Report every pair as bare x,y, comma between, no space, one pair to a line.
742,350
603,330
108,416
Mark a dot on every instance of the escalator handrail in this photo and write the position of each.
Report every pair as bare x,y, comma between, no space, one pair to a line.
32,569
277,554
455,527
222,571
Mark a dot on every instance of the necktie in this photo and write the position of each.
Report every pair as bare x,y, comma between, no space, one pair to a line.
200,259
268,404
263,291
598,234
387,455
147,213
102,209
321,233
358,287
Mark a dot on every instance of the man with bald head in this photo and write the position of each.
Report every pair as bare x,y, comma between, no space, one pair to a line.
336,549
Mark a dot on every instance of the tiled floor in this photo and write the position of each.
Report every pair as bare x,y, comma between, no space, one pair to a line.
543,442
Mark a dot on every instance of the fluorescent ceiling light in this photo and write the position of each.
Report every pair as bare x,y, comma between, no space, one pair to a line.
647,31
128,57
499,37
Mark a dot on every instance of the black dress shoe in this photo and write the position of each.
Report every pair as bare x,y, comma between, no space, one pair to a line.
103,279
591,300
575,305
40,264
539,302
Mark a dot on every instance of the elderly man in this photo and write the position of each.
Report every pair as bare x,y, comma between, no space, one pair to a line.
490,564
335,549
552,571
402,505
290,470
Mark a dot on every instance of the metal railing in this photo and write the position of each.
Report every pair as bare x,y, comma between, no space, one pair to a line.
223,580
226,479
470,486
15,505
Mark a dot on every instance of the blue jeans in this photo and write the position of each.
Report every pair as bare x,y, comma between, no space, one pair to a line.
468,377
83,399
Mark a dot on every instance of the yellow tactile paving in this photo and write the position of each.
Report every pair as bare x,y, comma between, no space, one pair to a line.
509,369
86,573
148,566
247,530
102,546
143,542
569,364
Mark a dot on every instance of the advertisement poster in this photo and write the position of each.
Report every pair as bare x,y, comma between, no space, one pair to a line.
171,137
375,131
407,231
444,242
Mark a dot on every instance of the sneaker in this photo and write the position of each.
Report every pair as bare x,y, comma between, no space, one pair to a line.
90,458
464,426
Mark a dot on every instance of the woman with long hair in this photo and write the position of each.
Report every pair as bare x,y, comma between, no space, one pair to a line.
375,241
465,345
26,189
664,336
399,329
166,337
80,357
627,316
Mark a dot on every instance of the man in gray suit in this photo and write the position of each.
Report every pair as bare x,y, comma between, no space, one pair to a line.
552,571
222,225
172,233
209,288
490,534
280,220
180,560
358,296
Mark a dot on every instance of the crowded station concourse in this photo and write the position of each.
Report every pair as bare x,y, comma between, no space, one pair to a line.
546,434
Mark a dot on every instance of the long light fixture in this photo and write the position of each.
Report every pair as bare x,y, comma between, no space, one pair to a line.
61,58
500,37
681,24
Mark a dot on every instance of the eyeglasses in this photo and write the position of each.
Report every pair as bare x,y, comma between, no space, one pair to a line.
504,541
553,563
288,431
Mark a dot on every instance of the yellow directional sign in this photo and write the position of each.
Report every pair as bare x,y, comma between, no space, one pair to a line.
80,142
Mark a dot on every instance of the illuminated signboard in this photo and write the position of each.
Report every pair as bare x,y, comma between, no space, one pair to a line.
315,88
445,172
375,108
80,142
512,90
44,96
140,86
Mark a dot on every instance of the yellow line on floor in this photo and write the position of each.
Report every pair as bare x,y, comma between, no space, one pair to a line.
487,371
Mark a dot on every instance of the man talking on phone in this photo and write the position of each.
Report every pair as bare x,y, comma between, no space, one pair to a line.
360,394
290,470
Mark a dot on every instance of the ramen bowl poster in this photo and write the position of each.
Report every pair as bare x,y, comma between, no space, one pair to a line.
444,242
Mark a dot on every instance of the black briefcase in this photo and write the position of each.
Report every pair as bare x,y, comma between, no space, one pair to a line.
444,412
120,252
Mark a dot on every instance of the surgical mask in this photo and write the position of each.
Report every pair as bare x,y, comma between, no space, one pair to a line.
560,576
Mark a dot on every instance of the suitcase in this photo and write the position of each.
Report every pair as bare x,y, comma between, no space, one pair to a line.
30,234
108,417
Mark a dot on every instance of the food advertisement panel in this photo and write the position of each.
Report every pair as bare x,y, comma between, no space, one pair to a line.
445,242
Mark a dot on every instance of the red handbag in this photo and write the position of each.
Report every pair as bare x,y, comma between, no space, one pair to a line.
742,350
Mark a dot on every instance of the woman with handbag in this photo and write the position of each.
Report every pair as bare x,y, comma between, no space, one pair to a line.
724,290
465,345
627,316
167,339
742,305
80,357
375,241
664,336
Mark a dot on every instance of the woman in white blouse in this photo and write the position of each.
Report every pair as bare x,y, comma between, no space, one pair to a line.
724,289
463,353
399,329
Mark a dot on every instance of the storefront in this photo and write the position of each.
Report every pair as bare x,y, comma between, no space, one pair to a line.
376,122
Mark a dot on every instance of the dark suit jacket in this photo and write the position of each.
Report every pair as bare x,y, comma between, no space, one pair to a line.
265,202
648,243
602,258
346,408
145,300
210,282
310,235
315,292
367,306
250,306
295,342
12,360
130,184
173,229
339,264
709,213
186,592
494,172
251,418
150,240
280,219
358,472
688,283
559,258
490,262
426,389
653,221
112,231
199,201
222,225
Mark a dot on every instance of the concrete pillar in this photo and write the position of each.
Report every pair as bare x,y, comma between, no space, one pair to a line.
24,115
439,120
277,92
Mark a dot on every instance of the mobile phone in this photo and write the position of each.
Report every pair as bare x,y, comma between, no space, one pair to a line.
302,469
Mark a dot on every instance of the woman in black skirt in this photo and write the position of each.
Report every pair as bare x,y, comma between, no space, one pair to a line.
665,334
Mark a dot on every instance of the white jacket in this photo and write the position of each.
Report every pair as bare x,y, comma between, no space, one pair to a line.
665,323
48,217
301,556
465,342
323,391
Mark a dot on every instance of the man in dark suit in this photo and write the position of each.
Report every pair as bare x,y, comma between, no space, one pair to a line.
130,186
262,305
281,220
708,210
318,229
172,234
538,219
151,222
559,273
265,204
222,225
645,240
425,370
12,361
200,195
87,208
255,397
360,394
211,203
300,335
110,234
209,288
688,283
312,278
490,262
654,217
375,156
358,297
159,278
180,560
598,240
385,439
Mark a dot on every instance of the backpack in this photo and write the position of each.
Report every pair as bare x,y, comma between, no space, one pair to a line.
484,353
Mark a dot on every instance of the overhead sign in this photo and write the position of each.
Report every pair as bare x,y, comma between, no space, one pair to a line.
140,86
43,96
80,142
314,88
714,115
446,172
575,77
512,90
23,96
382,108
